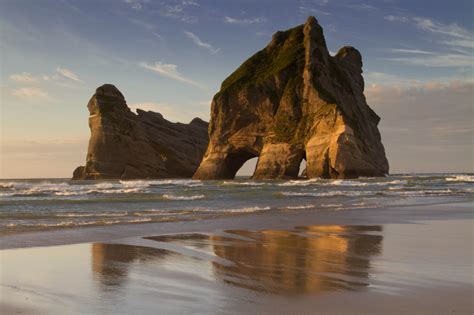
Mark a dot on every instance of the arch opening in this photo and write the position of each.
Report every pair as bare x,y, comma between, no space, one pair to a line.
247,169
235,160
302,167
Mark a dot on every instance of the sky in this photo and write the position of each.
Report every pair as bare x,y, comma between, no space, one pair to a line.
171,57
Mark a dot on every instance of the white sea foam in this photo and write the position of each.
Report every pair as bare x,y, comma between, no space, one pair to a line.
330,205
174,197
300,182
237,183
86,215
248,209
162,182
139,220
327,193
299,207
461,178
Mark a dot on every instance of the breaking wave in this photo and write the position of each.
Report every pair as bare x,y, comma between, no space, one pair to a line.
461,178
174,197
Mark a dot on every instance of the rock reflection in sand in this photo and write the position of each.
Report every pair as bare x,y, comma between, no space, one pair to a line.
304,260
110,262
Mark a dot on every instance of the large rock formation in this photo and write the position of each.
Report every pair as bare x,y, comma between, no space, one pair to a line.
293,101
144,145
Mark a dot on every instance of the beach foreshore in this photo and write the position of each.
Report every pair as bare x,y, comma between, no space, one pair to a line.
399,260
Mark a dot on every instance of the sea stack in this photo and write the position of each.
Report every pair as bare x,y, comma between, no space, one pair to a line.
293,101
125,145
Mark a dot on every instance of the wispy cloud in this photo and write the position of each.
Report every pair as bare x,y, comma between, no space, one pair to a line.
31,93
362,6
305,10
200,43
244,21
147,26
393,18
410,51
464,43
182,11
168,70
24,77
136,4
68,74
452,39
447,29
438,60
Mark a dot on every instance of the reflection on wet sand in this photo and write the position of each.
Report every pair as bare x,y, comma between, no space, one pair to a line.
304,260
111,262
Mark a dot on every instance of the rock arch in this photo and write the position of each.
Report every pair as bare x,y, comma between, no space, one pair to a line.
290,101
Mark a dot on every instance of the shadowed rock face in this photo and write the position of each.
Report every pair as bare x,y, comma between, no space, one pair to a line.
293,101
124,145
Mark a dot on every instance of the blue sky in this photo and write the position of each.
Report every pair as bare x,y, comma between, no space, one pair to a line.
171,56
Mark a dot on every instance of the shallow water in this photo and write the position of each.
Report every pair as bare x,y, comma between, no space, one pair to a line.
40,204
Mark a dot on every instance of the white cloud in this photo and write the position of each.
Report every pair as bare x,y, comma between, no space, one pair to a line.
362,6
446,29
24,77
451,38
200,43
308,10
180,11
438,60
136,4
410,51
393,18
31,93
465,43
232,20
374,77
68,74
168,70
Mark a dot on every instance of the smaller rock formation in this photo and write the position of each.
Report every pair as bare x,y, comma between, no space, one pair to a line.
124,145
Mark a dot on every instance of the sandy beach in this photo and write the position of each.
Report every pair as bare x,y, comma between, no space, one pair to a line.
373,261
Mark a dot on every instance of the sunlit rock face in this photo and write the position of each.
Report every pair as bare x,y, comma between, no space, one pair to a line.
125,145
293,101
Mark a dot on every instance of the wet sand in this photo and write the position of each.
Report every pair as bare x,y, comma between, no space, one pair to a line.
396,262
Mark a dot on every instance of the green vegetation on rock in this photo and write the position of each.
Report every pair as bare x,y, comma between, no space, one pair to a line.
287,51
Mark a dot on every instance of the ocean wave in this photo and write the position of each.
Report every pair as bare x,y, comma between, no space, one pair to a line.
300,182
327,193
237,183
461,178
174,197
299,207
6,186
86,215
177,182
248,209
422,192
331,205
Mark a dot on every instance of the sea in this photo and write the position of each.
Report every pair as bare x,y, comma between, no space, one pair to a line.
44,204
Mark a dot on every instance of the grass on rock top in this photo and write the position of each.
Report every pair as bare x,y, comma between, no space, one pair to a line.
287,51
